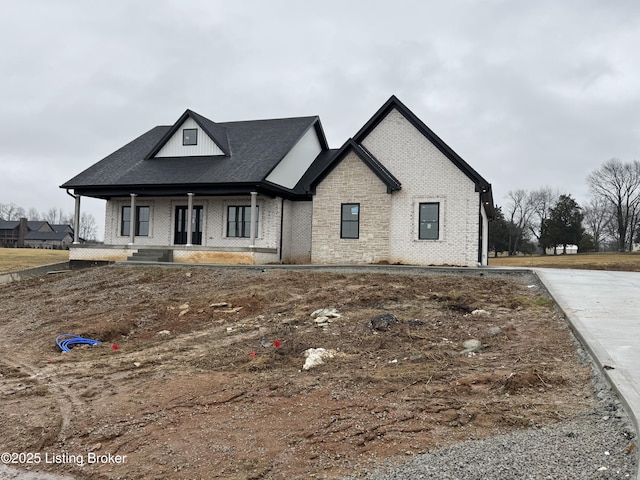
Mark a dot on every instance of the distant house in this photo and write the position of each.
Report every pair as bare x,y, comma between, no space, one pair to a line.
560,249
34,234
272,191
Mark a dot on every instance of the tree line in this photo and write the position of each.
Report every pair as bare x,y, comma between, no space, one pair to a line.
55,216
548,219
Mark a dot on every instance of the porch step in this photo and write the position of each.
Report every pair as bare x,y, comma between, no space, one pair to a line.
151,255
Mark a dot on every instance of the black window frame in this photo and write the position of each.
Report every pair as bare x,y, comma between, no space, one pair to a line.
141,225
241,226
422,221
187,131
344,222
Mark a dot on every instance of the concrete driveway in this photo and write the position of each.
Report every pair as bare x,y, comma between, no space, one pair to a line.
604,309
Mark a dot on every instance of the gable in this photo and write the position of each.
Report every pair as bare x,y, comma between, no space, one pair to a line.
297,161
403,128
366,157
199,144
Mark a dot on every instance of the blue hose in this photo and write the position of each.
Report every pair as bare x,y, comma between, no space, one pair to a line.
66,340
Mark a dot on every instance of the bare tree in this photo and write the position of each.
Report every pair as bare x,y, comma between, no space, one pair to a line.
11,211
33,214
542,201
51,216
56,216
88,227
598,216
518,212
618,183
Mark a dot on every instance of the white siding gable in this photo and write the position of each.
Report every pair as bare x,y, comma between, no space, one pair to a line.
174,147
291,168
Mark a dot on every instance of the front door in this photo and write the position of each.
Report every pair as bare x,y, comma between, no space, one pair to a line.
180,232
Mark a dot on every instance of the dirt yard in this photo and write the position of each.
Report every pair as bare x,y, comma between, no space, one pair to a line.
182,386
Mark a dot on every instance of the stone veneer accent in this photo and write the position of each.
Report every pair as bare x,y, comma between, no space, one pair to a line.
351,181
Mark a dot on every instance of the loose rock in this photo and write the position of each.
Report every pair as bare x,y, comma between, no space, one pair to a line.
316,356
382,322
472,345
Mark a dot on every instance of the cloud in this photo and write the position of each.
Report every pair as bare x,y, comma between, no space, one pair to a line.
529,93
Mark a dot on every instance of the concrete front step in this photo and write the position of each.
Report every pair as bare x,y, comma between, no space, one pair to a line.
151,255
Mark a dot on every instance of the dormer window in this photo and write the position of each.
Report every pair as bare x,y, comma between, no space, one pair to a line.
190,136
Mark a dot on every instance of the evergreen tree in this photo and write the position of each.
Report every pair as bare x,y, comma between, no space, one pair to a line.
564,226
498,233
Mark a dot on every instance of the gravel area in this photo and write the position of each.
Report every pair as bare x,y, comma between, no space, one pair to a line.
598,445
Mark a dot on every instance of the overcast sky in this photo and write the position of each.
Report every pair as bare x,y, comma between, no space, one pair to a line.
531,94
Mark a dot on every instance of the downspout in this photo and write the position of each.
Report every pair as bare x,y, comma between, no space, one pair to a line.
76,218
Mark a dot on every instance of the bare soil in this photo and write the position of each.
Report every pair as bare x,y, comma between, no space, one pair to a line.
190,392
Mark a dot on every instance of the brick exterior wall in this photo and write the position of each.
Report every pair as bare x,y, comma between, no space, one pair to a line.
296,231
426,175
351,181
389,223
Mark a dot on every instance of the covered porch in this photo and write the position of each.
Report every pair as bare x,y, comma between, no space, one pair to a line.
240,228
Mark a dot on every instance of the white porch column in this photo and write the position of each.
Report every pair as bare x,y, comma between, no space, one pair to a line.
189,219
252,223
133,220
76,222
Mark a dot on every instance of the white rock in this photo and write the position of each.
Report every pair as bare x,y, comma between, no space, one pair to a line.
164,332
326,312
495,331
471,346
315,357
473,343
480,312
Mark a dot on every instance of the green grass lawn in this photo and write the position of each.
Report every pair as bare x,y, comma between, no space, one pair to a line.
593,261
12,259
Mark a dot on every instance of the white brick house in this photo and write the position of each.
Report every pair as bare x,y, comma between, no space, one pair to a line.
271,191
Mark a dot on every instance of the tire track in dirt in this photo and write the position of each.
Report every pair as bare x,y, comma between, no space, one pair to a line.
64,397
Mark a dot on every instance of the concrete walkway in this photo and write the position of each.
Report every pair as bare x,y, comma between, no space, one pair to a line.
604,309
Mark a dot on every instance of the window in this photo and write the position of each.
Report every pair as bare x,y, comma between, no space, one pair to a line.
142,221
190,136
350,220
429,228
239,221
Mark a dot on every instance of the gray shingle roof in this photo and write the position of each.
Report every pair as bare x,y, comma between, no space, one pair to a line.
58,236
256,147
